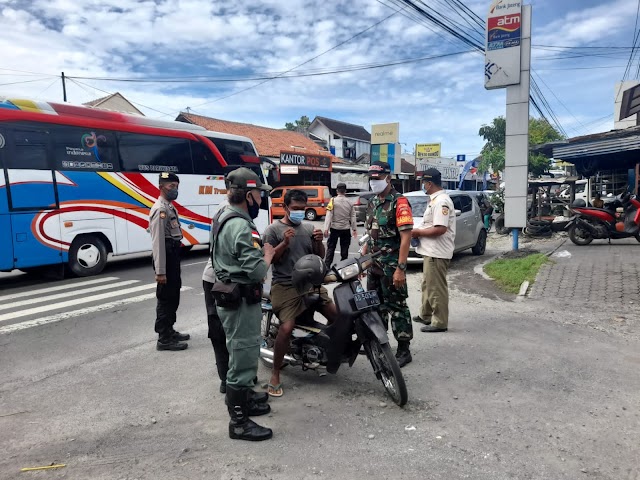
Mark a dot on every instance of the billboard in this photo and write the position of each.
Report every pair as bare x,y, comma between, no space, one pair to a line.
502,48
304,161
388,153
385,133
447,167
427,150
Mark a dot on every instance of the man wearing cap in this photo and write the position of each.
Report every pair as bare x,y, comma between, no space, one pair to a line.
436,234
340,223
166,236
389,222
240,263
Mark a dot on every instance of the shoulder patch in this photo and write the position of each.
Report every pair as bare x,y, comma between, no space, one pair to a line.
404,216
330,206
445,210
163,215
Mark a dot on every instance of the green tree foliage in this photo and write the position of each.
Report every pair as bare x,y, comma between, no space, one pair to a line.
301,125
540,131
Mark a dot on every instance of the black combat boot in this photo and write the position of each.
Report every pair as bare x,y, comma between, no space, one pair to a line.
403,354
169,343
180,337
257,403
240,427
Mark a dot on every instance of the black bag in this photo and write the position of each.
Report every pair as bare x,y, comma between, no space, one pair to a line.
227,295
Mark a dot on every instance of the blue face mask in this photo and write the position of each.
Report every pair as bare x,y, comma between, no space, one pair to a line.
296,216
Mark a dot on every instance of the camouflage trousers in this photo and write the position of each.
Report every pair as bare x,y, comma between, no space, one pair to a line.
393,301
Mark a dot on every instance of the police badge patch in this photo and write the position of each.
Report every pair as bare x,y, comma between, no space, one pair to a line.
445,210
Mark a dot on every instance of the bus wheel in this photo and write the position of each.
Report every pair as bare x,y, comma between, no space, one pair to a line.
87,255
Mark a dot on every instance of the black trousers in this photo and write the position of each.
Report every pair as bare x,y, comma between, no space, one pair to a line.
168,294
345,241
216,332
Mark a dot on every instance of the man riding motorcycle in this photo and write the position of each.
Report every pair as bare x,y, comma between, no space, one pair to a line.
292,240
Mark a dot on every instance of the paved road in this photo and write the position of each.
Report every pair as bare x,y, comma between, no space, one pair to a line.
507,393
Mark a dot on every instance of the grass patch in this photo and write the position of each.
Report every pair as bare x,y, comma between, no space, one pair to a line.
509,273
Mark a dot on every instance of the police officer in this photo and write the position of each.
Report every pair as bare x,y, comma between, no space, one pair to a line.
389,222
240,263
166,236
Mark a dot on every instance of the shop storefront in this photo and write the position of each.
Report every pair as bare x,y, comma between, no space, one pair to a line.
298,168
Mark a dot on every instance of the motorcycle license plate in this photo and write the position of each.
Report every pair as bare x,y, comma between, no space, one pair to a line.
366,299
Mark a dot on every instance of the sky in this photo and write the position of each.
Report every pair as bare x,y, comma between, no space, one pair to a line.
434,100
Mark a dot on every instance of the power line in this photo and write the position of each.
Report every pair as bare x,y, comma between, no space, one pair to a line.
635,41
24,81
303,63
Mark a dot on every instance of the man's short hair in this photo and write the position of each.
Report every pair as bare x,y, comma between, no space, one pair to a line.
295,196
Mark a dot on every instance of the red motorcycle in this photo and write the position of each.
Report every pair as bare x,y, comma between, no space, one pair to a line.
619,219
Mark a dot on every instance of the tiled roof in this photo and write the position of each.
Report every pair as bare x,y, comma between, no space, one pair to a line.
345,129
268,141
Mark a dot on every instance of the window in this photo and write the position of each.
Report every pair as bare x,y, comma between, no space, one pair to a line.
77,148
327,194
150,153
311,192
277,193
29,149
418,205
233,150
204,161
462,203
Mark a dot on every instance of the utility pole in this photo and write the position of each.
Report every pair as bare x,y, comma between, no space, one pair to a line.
64,88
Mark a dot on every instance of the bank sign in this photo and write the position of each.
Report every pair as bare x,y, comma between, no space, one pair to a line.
504,35
304,161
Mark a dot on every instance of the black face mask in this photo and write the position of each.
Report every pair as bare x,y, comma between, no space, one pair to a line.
253,209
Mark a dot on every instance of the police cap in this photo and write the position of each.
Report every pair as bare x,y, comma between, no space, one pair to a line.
244,178
377,169
168,177
432,175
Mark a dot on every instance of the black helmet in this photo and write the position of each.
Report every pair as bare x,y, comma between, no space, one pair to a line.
308,272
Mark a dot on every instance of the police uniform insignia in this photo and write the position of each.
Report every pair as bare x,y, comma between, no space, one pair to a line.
445,210
163,215
404,216
257,241
164,175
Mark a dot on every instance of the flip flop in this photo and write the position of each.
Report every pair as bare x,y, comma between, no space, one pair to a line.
275,390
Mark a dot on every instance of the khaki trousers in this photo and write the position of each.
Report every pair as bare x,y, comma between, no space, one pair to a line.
435,291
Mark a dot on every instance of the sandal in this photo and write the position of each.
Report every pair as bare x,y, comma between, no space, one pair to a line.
275,390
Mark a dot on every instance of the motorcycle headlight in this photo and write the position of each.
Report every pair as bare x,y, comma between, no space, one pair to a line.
349,272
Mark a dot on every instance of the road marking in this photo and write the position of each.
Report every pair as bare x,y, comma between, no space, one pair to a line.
66,294
66,286
70,303
196,263
76,313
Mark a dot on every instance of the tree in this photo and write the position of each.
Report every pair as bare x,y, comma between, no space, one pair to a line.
301,125
493,152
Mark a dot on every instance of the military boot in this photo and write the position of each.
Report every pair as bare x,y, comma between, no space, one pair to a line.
403,354
240,427
257,403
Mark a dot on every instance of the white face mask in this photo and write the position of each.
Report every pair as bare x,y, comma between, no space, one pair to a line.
378,186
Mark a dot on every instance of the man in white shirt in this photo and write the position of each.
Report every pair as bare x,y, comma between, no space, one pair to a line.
339,223
436,235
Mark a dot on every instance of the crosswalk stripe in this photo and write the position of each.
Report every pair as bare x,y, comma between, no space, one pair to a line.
76,313
57,288
57,296
77,301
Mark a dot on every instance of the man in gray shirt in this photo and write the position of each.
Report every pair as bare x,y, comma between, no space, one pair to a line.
291,240
340,222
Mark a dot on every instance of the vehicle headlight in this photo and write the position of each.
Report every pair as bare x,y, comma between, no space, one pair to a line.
349,272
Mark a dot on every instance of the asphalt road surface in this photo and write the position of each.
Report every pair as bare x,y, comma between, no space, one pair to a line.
513,390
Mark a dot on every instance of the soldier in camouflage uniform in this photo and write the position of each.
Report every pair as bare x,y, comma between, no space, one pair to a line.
389,223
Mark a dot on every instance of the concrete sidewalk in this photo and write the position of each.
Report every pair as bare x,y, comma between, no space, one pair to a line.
602,273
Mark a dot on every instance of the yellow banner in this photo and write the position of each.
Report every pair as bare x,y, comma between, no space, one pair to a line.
426,150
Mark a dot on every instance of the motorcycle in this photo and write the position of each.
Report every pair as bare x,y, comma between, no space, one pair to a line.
316,346
619,219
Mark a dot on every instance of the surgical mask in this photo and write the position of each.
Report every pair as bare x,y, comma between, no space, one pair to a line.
378,186
296,216
253,209
172,194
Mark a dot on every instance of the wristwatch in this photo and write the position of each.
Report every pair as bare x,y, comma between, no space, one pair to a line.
402,266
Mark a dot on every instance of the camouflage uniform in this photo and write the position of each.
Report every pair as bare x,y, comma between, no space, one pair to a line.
385,220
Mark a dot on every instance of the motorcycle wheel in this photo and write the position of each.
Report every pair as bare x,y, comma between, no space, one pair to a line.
268,331
387,370
579,236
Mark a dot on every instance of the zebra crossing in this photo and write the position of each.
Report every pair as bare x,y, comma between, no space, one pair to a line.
32,308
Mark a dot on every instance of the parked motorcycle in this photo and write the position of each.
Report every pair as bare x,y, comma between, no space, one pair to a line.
620,219
316,346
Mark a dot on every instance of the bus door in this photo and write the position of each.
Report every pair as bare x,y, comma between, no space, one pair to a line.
6,244
31,196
